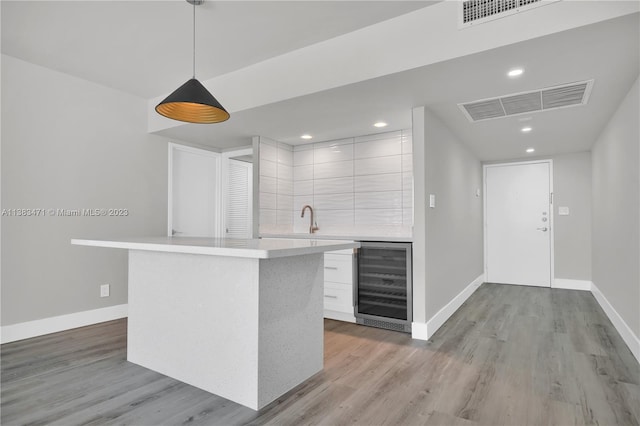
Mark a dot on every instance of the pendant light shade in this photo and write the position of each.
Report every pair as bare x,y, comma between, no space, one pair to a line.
193,103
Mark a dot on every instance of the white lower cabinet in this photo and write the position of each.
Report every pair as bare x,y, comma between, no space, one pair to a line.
338,285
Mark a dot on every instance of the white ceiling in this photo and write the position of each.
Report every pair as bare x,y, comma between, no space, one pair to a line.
143,56
144,47
607,52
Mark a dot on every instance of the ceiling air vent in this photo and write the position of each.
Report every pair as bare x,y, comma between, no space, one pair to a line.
567,95
474,12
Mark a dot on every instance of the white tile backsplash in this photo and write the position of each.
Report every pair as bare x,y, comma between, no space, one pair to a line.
267,217
386,135
268,152
378,148
285,187
385,182
407,162
378,165
284,217
267,200
407,201
333,170
356,186
333,201
285,154
378,217
333,185
285,172
302,158
329,218
300,224
407,182
276,186
378,200
268,184
284,202
333,153
407,143
302,187
302,172
300,201
303,147
407,216
268,168
319,145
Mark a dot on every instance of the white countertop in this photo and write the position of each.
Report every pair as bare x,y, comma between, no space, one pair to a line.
264,248
391,239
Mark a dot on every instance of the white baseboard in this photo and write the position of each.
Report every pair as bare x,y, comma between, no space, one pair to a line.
568,284
424,331
621,326
419,331
339,316
25,330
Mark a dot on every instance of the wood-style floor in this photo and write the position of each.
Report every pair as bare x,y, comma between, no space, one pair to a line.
510,356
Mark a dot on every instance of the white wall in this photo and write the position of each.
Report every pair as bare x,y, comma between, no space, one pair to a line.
454,238
572,234
616,211
71,144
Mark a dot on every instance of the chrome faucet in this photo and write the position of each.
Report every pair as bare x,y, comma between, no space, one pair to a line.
312,227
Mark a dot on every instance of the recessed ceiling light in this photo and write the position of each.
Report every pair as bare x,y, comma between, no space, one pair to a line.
306,137
515,72
530,150
380,124
526,129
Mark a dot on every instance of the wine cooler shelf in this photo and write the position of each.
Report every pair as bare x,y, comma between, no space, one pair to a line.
383,287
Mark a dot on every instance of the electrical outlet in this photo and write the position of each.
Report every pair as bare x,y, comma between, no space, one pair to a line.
104,290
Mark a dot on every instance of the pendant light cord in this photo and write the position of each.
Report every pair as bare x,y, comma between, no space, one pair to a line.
194,39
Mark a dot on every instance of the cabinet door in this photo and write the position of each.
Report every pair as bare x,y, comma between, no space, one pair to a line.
238,200
338,285
338,268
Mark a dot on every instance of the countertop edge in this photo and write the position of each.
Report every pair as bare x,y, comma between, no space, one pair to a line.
254,253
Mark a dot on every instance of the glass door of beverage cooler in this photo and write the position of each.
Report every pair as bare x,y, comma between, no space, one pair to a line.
383,295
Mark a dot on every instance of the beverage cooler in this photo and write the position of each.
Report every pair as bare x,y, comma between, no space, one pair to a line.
382,289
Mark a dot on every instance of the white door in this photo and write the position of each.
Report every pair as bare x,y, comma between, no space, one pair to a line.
238,208
194,192
518,223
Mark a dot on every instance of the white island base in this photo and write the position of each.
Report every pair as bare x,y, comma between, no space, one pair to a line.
246,328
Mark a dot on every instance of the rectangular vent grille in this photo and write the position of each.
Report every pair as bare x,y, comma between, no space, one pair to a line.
406,328
478,11
567,95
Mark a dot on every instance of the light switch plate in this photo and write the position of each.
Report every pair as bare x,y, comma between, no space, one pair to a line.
104,290
432,201
563,211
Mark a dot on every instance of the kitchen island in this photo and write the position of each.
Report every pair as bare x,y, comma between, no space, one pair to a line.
242,319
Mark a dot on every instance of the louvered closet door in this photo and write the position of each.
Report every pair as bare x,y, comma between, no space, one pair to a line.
238,206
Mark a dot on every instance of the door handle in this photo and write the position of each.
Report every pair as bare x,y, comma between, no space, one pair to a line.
174,232
542,229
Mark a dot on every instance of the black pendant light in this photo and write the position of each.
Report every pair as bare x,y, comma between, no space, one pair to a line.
192,102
